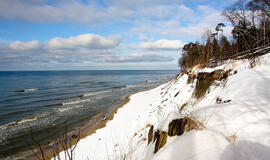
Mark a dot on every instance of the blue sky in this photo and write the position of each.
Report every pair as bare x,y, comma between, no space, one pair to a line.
105,34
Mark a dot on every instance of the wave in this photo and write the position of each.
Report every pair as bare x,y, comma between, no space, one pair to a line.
87,95
75,102
134,86
94,93
28,90
150,81
66,109
119,87
15,129
28,110
37,101
29,120
52,88
85,82
47,94
62,96
24,120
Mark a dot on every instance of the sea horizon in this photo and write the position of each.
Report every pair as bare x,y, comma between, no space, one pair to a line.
93,70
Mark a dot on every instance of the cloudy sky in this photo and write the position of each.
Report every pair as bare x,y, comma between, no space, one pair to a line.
101,34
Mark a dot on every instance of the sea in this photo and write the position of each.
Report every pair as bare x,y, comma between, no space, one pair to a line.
46,102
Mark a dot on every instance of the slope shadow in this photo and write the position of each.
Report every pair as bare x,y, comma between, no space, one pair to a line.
246,150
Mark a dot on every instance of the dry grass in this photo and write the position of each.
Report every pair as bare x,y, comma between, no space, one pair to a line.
191,78
182,107
193,124
201,88
205,80
254,62
201,66
232,138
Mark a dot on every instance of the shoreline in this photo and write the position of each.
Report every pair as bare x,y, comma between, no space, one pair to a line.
95,123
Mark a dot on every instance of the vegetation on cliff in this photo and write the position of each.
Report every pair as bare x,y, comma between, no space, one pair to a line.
250,20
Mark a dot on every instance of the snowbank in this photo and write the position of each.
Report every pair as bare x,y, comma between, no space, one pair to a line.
236,127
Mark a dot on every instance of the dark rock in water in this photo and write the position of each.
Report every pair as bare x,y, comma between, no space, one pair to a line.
161,140
150,134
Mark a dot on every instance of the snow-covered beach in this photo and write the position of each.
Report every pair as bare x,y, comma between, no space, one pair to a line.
234,113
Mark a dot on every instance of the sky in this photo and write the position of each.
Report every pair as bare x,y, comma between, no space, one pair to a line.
102,34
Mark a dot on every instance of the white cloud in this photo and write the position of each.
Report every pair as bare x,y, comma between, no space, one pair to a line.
93,11
32,45
91,41
85,41
82,48
55,11
162,44
152,19
187,23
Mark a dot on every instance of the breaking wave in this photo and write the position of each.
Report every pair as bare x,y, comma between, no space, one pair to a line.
94,93
75,102
66,109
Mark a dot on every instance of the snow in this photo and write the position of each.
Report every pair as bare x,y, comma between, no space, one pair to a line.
236,130
188,147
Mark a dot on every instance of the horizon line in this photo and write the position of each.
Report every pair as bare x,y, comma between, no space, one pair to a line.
92,70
